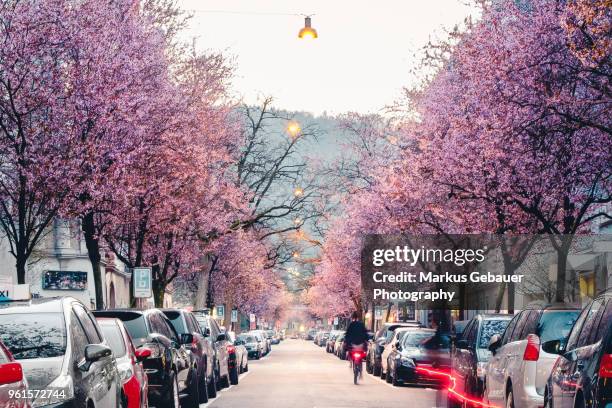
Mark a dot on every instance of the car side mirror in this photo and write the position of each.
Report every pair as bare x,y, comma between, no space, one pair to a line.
380,341
186,338
93,353
462,344
494,343
142,354
221,337
207,332
552,347
397,344
10,373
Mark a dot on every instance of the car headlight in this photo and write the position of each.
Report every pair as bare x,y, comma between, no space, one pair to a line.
60,390
481,370
407,362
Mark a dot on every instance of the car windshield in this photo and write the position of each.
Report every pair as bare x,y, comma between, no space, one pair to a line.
33,335
177,321
489,329
203,322
135,325
414,339
113,336
248,339
556,324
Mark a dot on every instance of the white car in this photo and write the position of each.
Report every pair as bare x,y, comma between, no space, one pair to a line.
519,368
392,345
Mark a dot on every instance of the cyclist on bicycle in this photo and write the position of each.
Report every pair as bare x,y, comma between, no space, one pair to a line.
356,334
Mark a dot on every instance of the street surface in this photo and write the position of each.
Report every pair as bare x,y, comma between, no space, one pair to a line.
299,374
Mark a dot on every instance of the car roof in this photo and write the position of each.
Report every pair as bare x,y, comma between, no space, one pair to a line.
39,305
551,306
495,316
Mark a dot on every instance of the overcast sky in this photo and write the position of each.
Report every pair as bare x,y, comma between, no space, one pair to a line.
360,61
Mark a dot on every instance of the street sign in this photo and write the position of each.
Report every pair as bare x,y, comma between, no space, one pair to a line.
143,282
378,313
220,312
336,321
234,316
10,292
252,318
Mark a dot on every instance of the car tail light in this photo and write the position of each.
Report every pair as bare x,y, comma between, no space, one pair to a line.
231,349
358,354
532,351
10,373
605,367
156,350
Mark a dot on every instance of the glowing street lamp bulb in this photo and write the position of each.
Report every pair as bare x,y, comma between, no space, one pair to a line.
308,33
297,221
298,192
294,129
296,254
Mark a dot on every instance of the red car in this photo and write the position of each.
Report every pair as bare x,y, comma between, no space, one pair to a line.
13,385
133,377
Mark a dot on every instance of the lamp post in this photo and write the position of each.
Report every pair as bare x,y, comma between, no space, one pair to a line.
308,32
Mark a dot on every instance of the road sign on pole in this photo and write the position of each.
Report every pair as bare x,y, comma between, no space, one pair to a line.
234,316
220,312
143,282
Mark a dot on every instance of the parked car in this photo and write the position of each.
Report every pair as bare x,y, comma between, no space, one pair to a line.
519,369
389,347
582,375
271,335
323,339
331,341
170,370
377,345
458,329
419,348
12,381
60,346
339,347
134,383
201,350
253,346
238,358
470,356
261,336
218,341
311,334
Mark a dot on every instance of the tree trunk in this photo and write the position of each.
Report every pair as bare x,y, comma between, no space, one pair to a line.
201,297
20,265
93,251
159,290
389,305
227,319
561,267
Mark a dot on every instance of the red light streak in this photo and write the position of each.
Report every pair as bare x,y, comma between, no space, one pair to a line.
451,389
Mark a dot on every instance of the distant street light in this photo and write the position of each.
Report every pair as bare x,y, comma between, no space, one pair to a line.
298,192
307,32
296,254
294,129
297,221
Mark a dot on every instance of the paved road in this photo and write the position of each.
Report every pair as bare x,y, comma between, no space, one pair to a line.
299,374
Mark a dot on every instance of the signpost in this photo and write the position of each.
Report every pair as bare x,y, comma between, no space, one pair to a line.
234,316
10,292
252,321
143,282
220,312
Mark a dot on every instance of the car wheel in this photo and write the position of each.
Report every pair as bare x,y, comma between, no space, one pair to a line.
203,389
212,386
388,377
510,400
226,380
246,367
368,367
548,401
376,370
233,376
173,398
193,394
394,381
